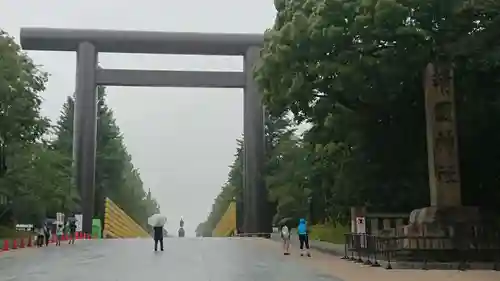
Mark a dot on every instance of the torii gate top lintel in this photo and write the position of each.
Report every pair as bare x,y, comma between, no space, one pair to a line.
145,42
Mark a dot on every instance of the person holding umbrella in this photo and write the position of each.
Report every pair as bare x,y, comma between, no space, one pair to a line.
157,221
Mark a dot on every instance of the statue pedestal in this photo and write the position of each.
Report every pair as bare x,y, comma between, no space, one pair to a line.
441,228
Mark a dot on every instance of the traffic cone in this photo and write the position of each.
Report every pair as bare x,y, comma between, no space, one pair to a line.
30,241
14,244
5,245
22,243
77,235
65,237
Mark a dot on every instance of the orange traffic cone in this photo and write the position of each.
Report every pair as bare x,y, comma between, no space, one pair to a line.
5,245
30,243
22,243
14,244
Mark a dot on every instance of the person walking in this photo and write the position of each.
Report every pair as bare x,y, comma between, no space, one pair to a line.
285,236
72,231
40,238
59,233
303,237
46,233
158,237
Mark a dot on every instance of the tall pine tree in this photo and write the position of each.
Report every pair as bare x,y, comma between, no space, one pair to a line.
116,176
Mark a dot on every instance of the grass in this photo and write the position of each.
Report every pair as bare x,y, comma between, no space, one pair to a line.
328,233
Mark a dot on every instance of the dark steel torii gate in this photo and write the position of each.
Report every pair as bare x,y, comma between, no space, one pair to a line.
88,43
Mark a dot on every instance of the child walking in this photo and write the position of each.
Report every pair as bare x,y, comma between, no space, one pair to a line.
303,237
59,234
285,235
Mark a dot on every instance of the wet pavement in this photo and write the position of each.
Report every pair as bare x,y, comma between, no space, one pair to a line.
186,259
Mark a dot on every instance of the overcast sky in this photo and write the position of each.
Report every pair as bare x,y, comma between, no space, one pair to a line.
181,139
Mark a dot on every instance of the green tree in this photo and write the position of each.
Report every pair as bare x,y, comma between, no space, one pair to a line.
116,176
354,70
21,83
40,181
232,190
35,173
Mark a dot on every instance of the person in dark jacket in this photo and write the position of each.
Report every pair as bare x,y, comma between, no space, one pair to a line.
158,237
46,233
181,232
72,231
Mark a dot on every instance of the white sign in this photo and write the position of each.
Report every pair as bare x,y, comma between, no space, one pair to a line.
361,229
78,221
59,218
24,227
360,225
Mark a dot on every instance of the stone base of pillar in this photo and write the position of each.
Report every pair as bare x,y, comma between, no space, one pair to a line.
443,228
445,215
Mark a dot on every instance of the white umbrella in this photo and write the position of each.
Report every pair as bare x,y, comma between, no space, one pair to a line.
157,220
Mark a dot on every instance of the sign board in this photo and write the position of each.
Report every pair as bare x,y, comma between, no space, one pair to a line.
360,225
361,229
60,218
78,220
24,227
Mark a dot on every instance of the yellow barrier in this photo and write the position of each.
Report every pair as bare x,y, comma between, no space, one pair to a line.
227,225
117,224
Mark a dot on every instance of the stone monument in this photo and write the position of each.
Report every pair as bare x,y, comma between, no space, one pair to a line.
446,217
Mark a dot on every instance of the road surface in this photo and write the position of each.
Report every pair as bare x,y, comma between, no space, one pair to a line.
187,259
200,259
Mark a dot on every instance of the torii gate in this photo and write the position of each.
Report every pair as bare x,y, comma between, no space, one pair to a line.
88,43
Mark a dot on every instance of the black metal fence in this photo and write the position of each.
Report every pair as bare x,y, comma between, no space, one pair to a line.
482,247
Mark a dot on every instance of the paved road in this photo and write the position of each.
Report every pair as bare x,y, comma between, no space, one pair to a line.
196,259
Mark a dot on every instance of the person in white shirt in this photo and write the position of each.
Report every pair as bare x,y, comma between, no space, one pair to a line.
285,235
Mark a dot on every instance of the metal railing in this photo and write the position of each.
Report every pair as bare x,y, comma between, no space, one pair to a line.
372,249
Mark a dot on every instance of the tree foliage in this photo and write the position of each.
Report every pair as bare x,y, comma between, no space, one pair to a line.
35,174
353,70
116,176
276,128
39,170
